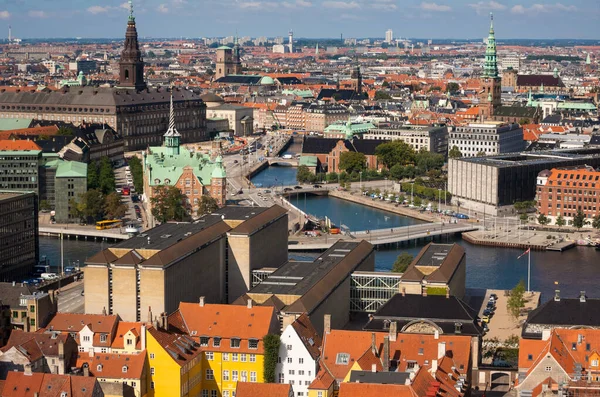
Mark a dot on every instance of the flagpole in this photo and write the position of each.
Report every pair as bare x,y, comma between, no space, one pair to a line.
529,271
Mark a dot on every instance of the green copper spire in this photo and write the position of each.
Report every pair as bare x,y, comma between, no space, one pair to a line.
131,17
490,68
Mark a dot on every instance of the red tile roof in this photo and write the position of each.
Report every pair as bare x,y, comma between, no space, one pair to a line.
181,348
111,365
14,145
122,328
309,335
375,390
246,389
35,345
18,384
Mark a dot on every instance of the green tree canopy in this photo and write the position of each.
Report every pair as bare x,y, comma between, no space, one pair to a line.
455,153
543,219
92,175
560,221
113,207
137,173
65,131
402,262
207,205
395,152
579,220
452,87
271,344
91,205
426,160
382,96
596,222
167,204
516,300
303,175
353,162
106,178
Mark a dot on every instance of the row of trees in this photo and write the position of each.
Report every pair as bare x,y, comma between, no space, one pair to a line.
427,193
168,204
404,162
579,220
101,176
137,172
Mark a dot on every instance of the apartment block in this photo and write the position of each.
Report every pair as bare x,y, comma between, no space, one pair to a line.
431,138
487,139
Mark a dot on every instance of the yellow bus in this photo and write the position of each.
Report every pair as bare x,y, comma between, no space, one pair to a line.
101,225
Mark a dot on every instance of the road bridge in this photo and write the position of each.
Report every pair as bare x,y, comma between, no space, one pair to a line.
87,233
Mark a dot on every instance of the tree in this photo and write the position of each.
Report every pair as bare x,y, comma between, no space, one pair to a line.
92,176
454,153
353,162
516,301
271,344
385,84
524,217
207,205
135,166
452,87
113,208
481,153
596,222
44,205
560,221
524,121
303,175
426,160
402,262
167,204
75,209
91,205
543,219
579,219
395,152
106,178
417,201
382,96
65,131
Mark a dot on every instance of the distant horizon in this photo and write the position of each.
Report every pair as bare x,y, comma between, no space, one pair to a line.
560,19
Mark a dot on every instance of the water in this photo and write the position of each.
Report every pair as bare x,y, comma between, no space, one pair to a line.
74,250
275,176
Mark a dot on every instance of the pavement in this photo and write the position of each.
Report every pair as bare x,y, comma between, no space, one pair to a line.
70,299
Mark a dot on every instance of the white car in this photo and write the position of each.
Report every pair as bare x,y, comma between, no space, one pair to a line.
127,168
130,181
119,190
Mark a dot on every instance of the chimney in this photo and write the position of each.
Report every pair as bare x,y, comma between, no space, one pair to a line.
458,328
104,311
386,353
201,301
373,367
424,291
393,331
434,367
436,334
327,324
447,292
557,295
86,370
61,350
143,336
441,349
14,283
582,296
403,291
149,314
373,344
164,322
27,369
91,352
249,303
36,394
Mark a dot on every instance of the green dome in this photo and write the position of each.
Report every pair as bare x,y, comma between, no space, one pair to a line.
219,171
267,80
224,47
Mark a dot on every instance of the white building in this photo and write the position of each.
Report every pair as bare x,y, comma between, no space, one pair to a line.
280,49
431,138
389,36
487,138
299,354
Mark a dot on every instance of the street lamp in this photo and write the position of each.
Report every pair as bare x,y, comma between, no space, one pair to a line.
439,199
361,188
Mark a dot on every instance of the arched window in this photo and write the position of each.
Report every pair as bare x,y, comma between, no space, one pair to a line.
126,74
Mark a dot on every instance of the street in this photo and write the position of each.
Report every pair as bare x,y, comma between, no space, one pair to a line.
70,299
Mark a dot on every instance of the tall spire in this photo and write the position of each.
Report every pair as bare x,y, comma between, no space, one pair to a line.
172,136
490,68
131,17
172,131
131,65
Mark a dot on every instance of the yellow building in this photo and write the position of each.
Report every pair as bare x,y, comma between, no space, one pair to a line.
175,363
230,338
322,386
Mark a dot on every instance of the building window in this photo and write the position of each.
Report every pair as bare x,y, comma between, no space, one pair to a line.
243,358
344,358
289,360
209,356
548,368
124,369
225,375
253,358
86,338
209,374
291,372
281,378
204,393
216,341
152,372
151,356
225,393
235,343
129,342
204,341
244,376
319,394
103,337
213,393
225,356
253,344
152,385
252,376
300,361
234,356
234,376
594,363
530,357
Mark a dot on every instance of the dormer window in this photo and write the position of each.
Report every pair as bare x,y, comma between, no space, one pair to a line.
253,344
124,368
86,338
235,342
103,337
129,342
342,358
204,341
217,341
99,368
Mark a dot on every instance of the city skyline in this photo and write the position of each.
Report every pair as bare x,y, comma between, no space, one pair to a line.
353,18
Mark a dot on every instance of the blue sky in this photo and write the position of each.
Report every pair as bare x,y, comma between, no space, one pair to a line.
308,18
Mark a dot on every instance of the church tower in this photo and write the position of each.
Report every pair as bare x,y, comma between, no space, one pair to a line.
489,97
237,59
131,65
356,78
172,136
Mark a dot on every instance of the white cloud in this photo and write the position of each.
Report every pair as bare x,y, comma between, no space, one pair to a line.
179,3
97,9
37,14
482,7
537,8
163,9
518,9
297,4
384,5
4,14
342,5
435,7
125,6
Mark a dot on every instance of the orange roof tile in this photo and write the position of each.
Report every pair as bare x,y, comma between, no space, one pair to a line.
15,145
323,380
181,348
375,390
110,365
18,384
246,389
122,328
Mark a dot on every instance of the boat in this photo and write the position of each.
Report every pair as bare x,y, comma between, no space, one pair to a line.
132,230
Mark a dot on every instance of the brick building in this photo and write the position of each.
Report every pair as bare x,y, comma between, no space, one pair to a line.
563,191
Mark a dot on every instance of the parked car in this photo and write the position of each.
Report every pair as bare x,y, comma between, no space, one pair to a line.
317,186
287,189
119,190
494,296
485,319
297,187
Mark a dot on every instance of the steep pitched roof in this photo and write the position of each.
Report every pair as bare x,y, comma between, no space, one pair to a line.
114,366
122,328
308,335
247,389
374,389
181,348
18,145
18,384
566,312
35,345
71,322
